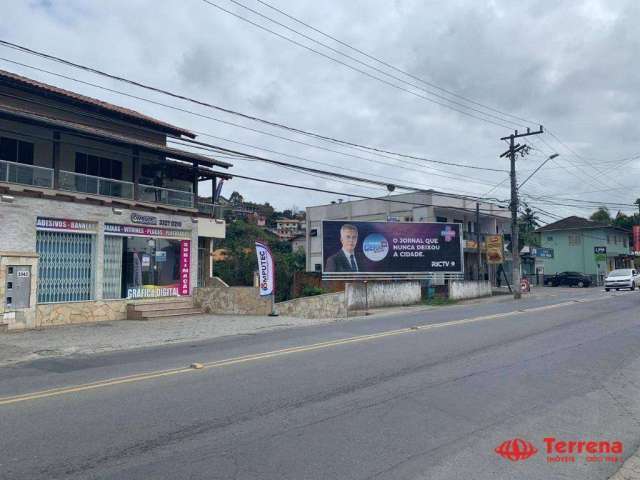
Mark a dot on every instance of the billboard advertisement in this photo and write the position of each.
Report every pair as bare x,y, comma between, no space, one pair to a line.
382,247
636,239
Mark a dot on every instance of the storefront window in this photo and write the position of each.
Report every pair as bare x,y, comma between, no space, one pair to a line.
151,266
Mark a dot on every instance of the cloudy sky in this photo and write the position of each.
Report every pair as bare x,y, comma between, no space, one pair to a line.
571,66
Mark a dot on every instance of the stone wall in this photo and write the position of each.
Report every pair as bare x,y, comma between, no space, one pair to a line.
232,300
330,305
459,290
52,314
382,294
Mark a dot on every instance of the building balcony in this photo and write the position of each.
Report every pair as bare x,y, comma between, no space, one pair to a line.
42,177
77,182
212,210
22,174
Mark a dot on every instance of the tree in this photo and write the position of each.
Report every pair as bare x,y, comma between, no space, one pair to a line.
238,268
602,215
527,224
235,198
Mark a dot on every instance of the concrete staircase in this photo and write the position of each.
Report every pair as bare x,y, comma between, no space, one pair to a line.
162,309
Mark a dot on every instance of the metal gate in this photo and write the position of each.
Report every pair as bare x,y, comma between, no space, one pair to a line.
112,275
65,270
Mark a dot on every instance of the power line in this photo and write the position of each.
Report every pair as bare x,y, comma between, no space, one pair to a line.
262,27
189,142
223,122
200,145
235,156
198,102
381,199
429,92
194,113
404,72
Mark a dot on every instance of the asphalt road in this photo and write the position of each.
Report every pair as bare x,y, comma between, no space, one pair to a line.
364,399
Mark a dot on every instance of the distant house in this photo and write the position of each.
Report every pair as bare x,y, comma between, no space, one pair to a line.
575,240
287,228
298,241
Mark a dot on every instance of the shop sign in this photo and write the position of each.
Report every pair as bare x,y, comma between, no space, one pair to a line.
64,225
185,268
495,249
542,252
152,291
151,220
600,250
140,231
144,219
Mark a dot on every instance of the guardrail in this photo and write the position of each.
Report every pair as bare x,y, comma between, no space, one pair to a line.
12,172
168,196
78,182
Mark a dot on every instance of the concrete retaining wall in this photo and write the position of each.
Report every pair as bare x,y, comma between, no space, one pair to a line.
232,300
459,290
382,294
330,305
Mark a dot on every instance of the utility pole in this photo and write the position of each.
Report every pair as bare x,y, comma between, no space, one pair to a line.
515,250
478,237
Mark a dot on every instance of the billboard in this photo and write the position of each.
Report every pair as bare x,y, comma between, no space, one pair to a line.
636,239
382,247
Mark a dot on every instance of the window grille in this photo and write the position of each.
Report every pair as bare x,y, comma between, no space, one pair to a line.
112,275
65,271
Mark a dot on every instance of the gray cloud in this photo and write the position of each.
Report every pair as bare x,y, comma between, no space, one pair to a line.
570,65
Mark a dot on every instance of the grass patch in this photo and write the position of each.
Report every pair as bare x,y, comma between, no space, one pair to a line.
439,301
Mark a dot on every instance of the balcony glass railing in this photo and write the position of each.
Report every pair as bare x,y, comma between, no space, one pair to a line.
12,172
78,182
210,209
177,198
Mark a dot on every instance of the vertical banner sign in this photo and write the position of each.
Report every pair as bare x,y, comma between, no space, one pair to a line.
185,268
495,249
266,269
636,239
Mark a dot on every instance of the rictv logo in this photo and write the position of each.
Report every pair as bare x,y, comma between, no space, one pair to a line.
375,247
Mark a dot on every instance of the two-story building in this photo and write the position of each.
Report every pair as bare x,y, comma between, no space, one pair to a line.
96,209
576,240
287,228
425,206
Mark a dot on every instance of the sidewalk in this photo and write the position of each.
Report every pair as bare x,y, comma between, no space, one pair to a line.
99,337
630,469
89,338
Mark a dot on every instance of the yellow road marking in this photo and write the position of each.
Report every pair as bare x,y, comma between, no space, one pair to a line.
272,354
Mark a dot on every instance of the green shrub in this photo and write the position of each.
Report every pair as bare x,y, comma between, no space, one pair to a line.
310,291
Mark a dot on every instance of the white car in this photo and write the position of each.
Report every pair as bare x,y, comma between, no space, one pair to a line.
622,278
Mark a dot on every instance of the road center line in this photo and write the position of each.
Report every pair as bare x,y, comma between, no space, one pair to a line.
272,354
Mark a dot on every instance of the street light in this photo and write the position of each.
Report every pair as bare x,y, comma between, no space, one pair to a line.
551,157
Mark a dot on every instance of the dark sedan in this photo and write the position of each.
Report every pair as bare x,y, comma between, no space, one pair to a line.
571,279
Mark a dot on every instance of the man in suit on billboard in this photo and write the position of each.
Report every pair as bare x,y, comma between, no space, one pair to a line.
346,259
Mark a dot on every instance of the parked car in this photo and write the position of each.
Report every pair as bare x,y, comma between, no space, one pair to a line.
622,278
571,279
